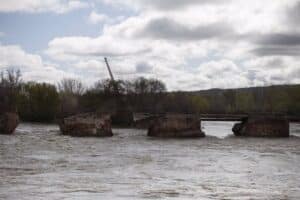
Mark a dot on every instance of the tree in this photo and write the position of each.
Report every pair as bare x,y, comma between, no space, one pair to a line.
294,100
230,100
10,79
156,86
148,94
71,86
9,87
38,102
200,104
70,92
141,86
244,102
279,101
108,87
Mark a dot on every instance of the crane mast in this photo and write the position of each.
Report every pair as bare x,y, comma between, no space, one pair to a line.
115,85
109,70
123,115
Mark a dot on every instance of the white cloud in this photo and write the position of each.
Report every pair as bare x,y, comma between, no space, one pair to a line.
32,66
96,18
33,6
231,44
14,56
274,70
165,5
222,74
70,48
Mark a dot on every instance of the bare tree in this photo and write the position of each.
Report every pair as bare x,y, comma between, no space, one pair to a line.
10,82
11,78
148,86
156,86
71,86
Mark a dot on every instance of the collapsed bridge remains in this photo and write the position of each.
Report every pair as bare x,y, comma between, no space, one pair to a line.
175,126
259,125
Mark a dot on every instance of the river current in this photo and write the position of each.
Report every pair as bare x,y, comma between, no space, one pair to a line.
39,163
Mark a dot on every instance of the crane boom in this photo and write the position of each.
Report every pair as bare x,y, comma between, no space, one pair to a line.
115,85
122,114
109,70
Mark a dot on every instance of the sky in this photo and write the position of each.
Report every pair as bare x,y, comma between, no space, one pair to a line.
188,44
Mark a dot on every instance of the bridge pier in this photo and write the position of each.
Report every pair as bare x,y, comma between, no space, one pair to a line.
176,125
8,123
262,126
87,125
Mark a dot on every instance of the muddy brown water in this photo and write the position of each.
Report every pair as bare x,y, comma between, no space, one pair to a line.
39,163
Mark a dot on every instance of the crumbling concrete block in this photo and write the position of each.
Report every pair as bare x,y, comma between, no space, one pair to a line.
262,126
87,125
8,123
176,126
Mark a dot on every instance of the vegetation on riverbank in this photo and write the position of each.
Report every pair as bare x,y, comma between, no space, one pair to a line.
43,102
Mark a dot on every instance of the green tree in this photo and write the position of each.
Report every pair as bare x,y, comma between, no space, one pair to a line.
279,101
200,104
230,100
38,102
244,101
294,100
10,81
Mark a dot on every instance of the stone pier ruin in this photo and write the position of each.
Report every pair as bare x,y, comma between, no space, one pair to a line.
176,125
87,125
262,126
8,122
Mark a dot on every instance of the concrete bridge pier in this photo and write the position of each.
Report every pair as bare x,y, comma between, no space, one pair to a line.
8,122
262,126
87,125
175,125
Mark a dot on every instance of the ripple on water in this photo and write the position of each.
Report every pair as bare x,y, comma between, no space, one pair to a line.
39,163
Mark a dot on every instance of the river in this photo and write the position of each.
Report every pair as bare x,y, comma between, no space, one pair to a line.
39,163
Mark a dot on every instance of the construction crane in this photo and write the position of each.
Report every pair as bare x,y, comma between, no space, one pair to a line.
123,115
115,85
109,70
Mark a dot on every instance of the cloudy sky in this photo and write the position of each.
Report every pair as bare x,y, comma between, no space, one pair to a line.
189,44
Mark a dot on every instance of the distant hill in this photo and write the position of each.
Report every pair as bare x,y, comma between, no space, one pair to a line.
219,91
272,99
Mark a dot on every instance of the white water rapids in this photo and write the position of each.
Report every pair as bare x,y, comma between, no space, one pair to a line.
39,163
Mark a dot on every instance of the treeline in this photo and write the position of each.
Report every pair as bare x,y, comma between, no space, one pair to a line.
284,99
9,89
43,102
